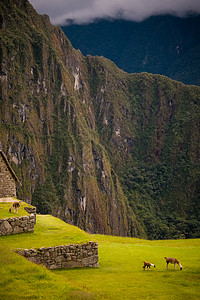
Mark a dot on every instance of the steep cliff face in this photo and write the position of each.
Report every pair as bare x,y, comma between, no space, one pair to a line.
101,149
149,125
48,125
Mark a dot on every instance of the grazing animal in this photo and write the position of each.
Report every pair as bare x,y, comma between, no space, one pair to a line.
148,265
15,206
174,261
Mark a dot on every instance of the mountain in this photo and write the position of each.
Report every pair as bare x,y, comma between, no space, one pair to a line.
111,152
164,45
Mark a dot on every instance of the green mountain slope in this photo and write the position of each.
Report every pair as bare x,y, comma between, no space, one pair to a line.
166,45
110,152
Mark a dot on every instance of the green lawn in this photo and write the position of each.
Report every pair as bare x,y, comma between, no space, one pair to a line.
119,276
48,231
4,210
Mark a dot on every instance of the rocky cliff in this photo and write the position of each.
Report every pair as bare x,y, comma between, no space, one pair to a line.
110,152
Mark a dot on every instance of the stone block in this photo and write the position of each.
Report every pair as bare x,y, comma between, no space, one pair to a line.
46,254
33,259
68,258
52,267
59,259
17,222
21,252
33,252
5,227
30,210
95,265
71,264
24,223
26,252
16,229
84,253
90,260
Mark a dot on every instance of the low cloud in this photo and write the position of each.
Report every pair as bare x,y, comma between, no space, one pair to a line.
86,11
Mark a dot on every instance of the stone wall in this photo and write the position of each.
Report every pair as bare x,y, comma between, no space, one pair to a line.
69,256
17,225
7,181
30,209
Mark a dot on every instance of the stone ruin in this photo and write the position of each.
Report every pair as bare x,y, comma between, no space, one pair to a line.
68,256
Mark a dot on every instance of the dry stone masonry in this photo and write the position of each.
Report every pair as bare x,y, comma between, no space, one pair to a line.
7,178
30,209
69,256
17,225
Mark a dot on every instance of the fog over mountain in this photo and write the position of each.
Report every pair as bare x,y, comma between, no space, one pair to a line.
61,11
166,45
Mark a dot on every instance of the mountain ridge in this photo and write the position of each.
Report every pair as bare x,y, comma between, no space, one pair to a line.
166,45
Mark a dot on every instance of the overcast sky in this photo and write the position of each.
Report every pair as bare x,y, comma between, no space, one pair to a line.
85,11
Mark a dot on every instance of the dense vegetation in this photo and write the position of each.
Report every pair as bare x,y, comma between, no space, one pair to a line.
119,276
164,45
111,152
156,151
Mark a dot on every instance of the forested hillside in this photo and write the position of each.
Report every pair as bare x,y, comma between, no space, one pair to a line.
164,45
111,152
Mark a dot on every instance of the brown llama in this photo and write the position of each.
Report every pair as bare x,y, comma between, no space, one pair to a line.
148,265
15,206
173,261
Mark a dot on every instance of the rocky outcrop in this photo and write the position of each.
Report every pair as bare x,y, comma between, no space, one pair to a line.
68,256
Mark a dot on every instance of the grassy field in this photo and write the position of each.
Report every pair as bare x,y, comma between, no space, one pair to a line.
4,210
119,276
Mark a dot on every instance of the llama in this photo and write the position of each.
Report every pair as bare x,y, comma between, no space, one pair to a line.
15,206
148,265
174,261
